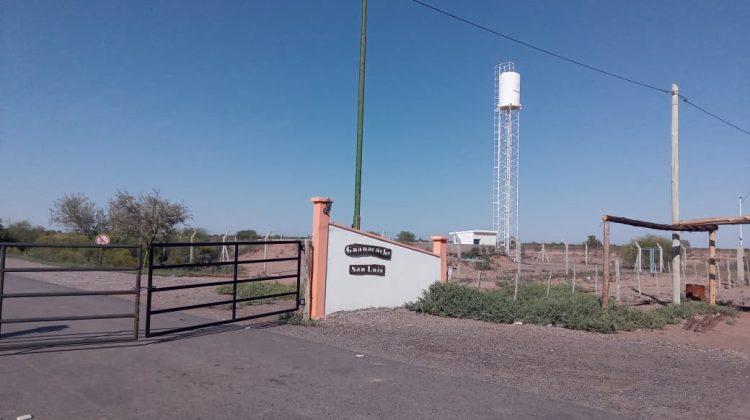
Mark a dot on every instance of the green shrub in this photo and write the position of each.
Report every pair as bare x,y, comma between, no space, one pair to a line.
23,232
474,252
579,310
75,257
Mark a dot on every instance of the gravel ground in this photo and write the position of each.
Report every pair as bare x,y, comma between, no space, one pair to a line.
621,373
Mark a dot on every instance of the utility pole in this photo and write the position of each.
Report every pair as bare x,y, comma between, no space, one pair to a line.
741,249
676,284
742,198
360,116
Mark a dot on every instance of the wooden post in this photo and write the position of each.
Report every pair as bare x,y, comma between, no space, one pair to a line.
605,269
549,282
712,267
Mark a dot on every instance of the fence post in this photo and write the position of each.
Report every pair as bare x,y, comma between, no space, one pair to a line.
712,267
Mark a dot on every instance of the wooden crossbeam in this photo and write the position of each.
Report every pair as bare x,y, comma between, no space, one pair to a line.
681,227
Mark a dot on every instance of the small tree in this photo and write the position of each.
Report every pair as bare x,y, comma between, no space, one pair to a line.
3,233
150,218
593,242
77,213
406,236
247,235
630,252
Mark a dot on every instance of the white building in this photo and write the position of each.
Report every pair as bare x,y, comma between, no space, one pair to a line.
474,237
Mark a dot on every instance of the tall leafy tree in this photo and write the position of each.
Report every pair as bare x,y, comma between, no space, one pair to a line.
149,218
77,213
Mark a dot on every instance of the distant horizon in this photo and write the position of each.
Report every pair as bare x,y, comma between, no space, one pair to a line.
392,235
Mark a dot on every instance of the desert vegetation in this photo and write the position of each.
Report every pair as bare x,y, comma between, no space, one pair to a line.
556,306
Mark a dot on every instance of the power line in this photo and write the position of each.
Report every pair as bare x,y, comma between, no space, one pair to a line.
578,63
526,44
687,101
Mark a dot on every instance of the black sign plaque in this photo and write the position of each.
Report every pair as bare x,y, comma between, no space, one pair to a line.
367,270
361,250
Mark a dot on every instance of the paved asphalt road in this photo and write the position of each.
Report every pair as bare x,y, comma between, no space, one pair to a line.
235,373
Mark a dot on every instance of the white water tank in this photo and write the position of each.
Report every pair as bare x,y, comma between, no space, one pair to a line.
510,90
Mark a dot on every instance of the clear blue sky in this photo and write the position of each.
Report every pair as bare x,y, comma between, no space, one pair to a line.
243,110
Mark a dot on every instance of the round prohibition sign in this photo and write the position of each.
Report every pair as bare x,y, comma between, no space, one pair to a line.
102,239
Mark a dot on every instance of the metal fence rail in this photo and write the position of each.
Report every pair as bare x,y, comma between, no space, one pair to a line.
4,246
235,281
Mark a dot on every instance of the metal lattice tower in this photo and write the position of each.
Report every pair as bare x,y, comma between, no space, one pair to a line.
507,112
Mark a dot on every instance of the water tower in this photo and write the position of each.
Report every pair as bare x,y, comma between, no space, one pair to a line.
507,113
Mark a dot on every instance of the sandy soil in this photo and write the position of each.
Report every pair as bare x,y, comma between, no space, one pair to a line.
654,288
638,374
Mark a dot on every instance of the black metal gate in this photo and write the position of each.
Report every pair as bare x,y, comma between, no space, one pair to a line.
91,265
162,252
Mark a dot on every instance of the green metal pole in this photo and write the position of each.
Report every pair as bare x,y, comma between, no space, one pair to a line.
360,116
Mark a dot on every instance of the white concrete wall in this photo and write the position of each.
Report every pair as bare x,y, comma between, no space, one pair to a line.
407,273
467,238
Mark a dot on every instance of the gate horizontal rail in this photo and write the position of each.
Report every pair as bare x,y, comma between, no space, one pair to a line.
221,283
235,262
219,264
4,246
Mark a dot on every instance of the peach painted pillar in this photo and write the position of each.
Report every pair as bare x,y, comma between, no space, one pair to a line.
440,247
321,219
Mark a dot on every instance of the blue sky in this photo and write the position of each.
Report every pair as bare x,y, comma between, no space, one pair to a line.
244,110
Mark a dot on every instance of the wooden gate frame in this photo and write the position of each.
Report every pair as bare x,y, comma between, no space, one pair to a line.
710,225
